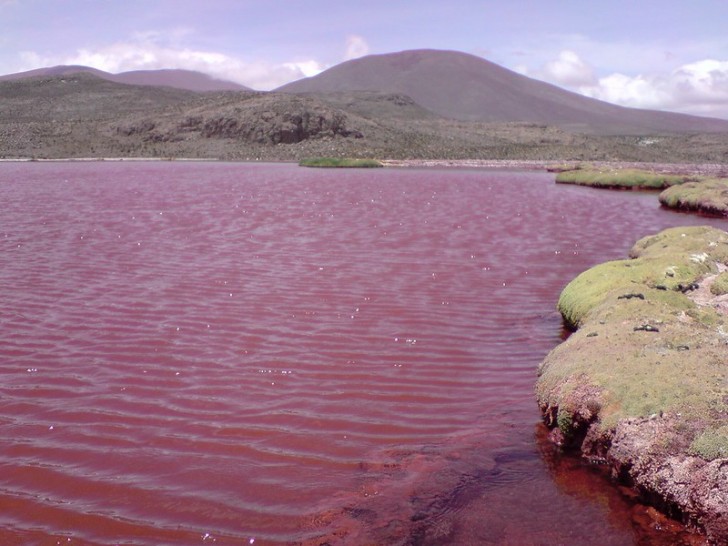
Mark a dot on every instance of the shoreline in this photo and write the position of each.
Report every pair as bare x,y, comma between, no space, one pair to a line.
708,169
639,386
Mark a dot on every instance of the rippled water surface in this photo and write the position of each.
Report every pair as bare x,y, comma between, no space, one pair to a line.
197,353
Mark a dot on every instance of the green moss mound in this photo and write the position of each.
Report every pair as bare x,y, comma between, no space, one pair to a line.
336,162
621,178
711,444
642,347
720,285
709,196
669,262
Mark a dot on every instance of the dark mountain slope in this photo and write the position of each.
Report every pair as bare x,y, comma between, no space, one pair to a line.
465,87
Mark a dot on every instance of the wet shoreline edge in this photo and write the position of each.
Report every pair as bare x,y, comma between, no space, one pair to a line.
638,387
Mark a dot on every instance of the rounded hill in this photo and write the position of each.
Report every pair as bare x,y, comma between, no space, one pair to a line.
465,87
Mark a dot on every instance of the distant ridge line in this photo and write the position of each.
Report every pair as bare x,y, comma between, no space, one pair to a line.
188,80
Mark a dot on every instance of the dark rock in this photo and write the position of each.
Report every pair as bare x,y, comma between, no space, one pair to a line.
630,296
139,128
279,126
684,288
646,328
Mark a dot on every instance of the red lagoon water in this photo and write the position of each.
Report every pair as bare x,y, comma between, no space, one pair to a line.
259,354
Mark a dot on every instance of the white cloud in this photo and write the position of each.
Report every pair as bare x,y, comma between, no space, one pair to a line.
307,68
635,91
570,70
147,52
703,81
155,50
699,87
356,47
695,88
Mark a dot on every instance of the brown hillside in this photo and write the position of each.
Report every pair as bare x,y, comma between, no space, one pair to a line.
82,115
465,87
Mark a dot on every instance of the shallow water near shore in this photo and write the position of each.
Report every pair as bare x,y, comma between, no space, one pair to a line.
265,354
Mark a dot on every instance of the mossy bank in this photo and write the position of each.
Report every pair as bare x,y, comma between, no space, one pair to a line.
687,191
621,178
642,384
708,196
338,162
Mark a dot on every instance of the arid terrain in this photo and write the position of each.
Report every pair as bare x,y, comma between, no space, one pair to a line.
410,105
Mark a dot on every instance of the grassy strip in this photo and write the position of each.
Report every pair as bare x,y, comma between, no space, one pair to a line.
336,162
710,195
621,178
667,262
720,285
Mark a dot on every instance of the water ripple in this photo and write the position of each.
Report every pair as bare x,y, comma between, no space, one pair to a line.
226,350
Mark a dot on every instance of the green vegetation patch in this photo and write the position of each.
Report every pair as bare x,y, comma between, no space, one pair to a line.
709,195
621,178
720,285
645,359
334,162
671,262
711,444
643,347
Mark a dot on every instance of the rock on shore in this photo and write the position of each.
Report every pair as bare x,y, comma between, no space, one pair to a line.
642,384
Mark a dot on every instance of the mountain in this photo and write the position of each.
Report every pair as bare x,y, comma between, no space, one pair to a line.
179,79
70,95
464,87
77,112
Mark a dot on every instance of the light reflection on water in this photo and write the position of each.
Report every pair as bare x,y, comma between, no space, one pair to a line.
206,351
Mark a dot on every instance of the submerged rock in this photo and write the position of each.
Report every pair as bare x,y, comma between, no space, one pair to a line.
648,395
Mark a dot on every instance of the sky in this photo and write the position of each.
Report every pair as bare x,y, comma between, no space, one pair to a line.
665,55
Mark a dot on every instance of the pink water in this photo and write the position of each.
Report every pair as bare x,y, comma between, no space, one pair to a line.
198,353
